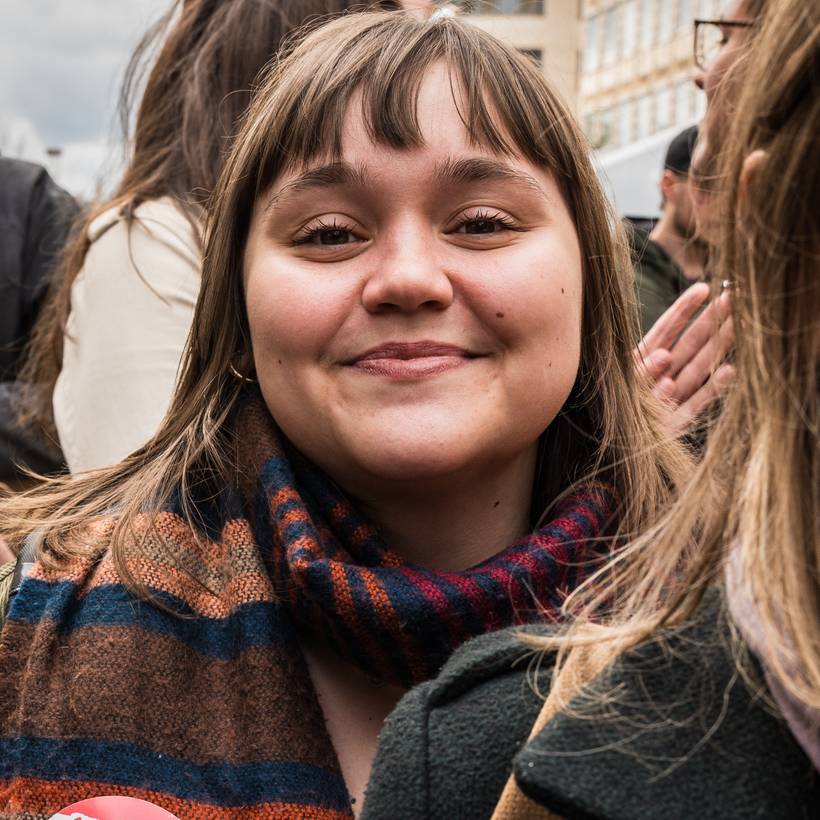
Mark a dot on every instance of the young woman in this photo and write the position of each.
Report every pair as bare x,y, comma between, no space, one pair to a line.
109,346
657,710
413,340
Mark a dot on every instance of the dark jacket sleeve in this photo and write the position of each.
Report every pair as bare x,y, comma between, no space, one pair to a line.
446,751
21,445
658,281
50,216
681,735
36,216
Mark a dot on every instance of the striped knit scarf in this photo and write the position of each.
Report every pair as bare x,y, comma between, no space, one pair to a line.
213,714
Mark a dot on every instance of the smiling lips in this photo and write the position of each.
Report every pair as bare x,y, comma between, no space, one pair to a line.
412,360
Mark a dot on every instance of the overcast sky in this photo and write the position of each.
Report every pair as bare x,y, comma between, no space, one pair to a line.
61,66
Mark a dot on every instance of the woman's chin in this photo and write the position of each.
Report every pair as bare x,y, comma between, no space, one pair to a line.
392,464
401,461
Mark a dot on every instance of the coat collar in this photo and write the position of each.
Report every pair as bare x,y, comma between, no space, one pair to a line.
682,735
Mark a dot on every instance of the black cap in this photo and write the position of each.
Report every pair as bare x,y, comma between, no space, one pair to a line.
679,152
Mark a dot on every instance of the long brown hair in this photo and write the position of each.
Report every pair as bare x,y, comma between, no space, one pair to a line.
608,425
208,55
757,491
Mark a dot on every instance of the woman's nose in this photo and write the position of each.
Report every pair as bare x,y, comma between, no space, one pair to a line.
407,278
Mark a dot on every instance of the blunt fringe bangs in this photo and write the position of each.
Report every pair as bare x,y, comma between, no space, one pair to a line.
493,87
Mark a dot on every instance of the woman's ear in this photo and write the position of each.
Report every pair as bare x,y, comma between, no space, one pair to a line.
751,167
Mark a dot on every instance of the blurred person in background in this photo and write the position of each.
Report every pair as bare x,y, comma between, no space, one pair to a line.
35,219
688,684
671,257
107,349
721,47
675,357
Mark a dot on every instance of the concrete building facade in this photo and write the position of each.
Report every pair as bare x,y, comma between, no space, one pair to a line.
548,30
637,68
637,91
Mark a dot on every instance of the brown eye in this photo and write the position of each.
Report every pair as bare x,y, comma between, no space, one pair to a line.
475,226
334,236
327,236
485,223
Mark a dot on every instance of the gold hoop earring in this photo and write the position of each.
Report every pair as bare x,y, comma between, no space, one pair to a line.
237,375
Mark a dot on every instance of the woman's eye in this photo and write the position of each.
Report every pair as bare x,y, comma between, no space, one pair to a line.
485,225
327,236
333,236
481,226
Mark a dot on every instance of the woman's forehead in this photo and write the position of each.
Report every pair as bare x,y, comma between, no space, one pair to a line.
437,102
438,133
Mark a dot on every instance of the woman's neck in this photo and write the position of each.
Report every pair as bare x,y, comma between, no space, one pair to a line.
453,523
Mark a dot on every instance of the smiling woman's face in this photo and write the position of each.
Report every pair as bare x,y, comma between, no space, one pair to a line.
414,314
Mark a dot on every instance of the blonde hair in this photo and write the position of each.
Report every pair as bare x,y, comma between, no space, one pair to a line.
607,427
756,489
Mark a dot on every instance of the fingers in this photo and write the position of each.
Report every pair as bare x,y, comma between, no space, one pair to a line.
665,388
696,373
699,334
666,330
6,554
684,415
655,364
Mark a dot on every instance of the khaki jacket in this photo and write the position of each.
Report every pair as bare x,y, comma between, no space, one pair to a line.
131,310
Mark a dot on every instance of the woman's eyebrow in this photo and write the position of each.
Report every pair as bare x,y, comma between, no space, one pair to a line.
448,172
482,169
323,176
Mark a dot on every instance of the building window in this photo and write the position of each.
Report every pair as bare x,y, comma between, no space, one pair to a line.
504,6
629,36
591,50
683,97
663,108
647,20
700,105
607,125
666,20
644,116
686,15
626,123
610,37
599,127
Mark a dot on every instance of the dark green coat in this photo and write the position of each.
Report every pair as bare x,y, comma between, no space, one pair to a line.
689,740
658,280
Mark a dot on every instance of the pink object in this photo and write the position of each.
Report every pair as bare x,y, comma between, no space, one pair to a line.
113,808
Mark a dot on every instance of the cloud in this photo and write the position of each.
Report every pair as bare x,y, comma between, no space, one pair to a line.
61,65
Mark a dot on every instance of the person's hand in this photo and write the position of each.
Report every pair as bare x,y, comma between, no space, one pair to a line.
6,554
686,364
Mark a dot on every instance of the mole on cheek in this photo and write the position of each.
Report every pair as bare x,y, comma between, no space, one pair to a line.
562,290
500,315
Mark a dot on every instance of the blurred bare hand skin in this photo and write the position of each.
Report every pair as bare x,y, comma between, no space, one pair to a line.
5,552
687,363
